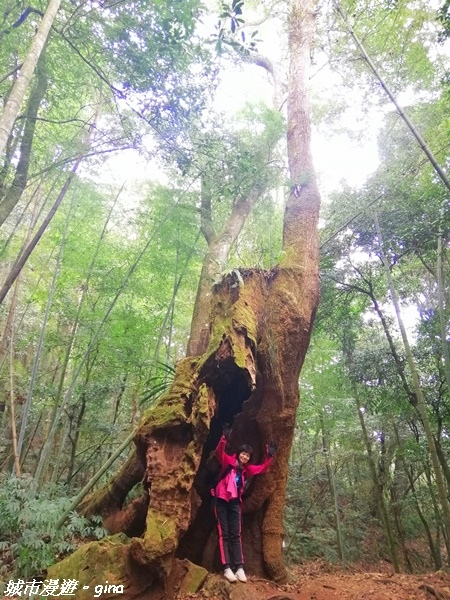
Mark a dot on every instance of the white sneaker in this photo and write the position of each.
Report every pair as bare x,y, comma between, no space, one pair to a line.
229,575
240,575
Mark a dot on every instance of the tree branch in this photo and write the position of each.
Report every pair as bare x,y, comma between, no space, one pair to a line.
17,68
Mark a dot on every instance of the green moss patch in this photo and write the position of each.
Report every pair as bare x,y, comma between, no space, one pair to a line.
103,569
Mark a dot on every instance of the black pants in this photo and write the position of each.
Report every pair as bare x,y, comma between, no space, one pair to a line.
228,515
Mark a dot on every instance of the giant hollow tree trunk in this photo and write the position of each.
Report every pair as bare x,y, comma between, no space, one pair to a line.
249,377
260,327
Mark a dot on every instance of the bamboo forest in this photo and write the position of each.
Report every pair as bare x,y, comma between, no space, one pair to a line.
225,299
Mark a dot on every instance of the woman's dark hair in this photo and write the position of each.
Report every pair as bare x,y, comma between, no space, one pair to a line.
245,448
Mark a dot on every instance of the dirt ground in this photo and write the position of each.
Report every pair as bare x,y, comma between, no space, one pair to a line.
319,581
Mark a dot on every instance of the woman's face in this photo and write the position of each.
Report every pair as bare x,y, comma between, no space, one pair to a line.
243,458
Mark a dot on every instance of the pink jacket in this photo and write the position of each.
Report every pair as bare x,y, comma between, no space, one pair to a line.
227,488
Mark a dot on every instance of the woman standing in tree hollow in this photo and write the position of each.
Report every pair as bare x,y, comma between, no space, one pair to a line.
235,469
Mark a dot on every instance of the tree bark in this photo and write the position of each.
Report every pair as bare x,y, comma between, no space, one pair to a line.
214,262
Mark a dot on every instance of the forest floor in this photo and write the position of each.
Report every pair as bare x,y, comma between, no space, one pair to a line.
320,581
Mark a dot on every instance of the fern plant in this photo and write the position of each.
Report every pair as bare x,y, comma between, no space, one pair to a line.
29,540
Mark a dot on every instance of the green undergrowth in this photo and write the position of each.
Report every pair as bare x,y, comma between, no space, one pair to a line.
29,540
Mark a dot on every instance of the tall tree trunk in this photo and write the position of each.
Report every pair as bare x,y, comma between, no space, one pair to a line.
15,98
260,324
443,460
396,510
118,399
60,451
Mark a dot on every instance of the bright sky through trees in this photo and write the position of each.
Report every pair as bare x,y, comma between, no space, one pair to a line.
349,157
